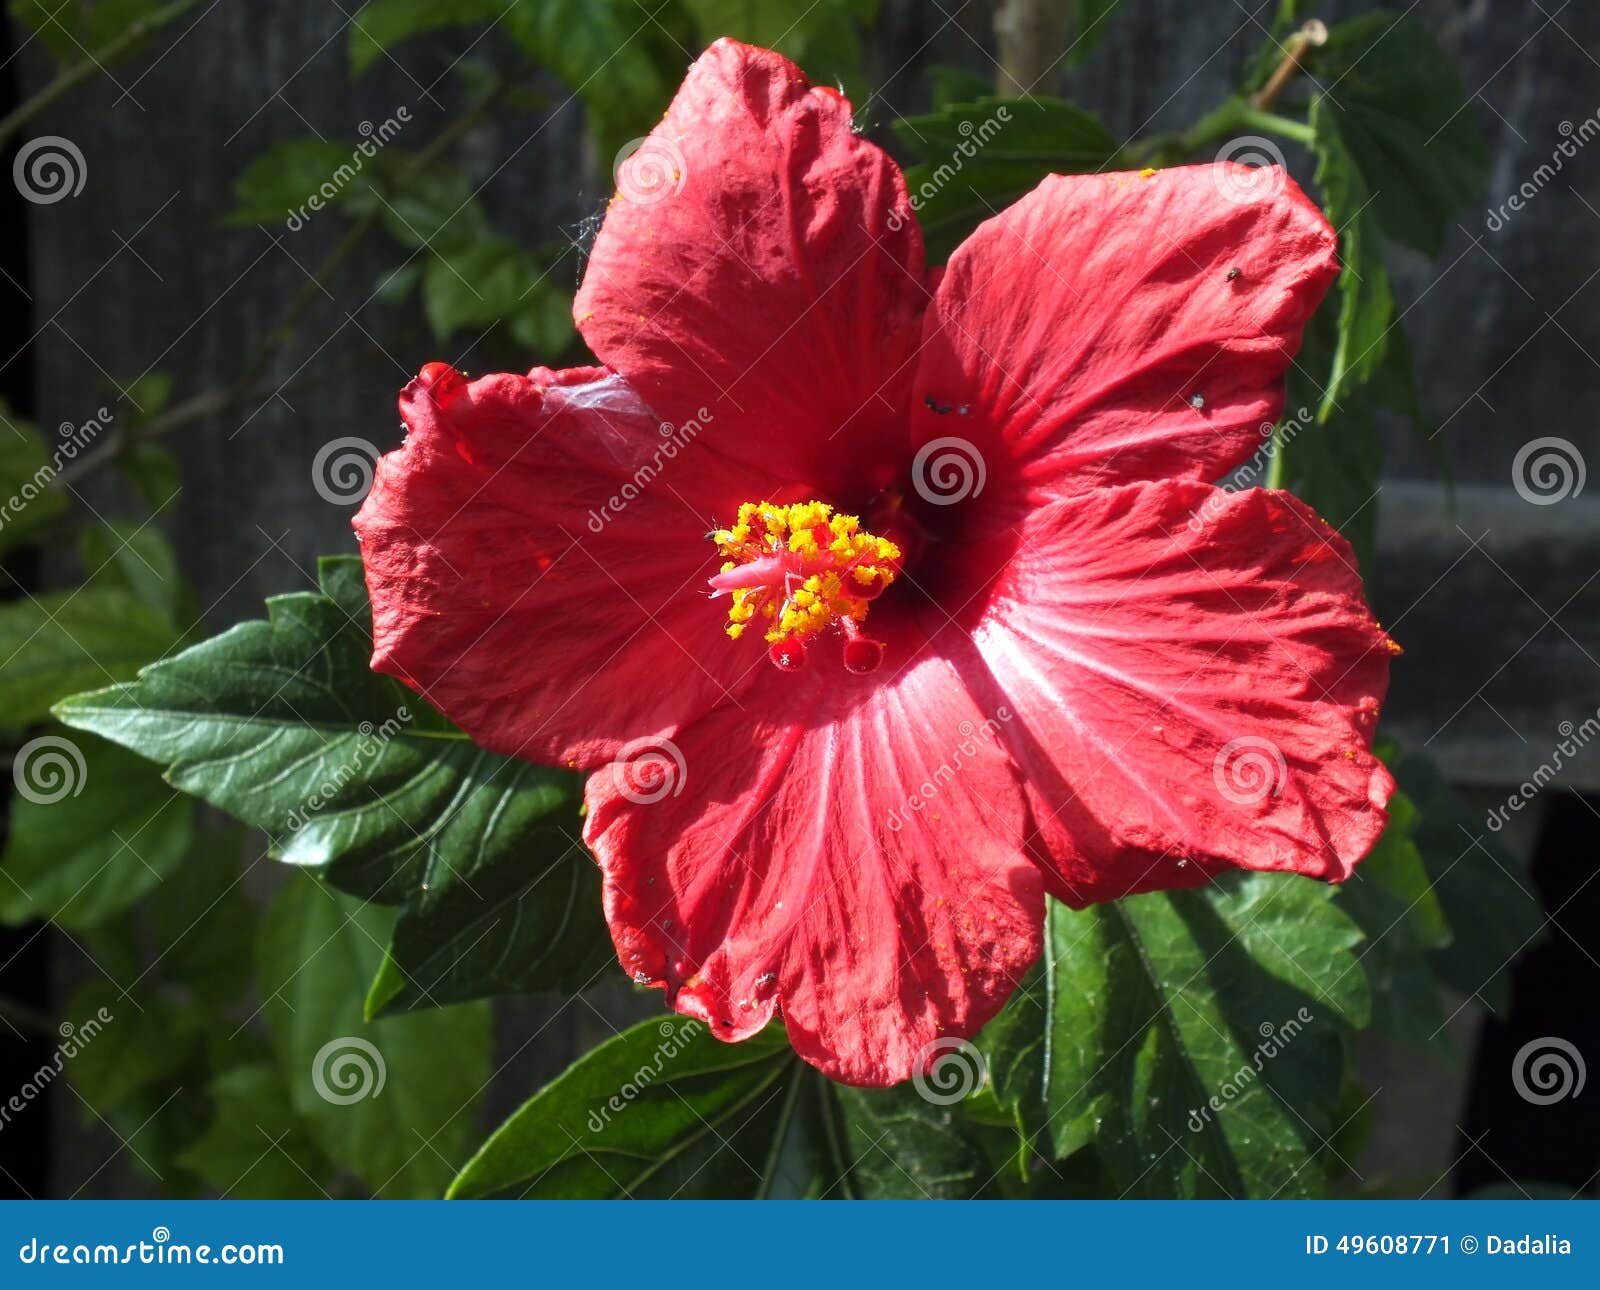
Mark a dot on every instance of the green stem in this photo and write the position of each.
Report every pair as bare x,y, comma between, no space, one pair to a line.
96,61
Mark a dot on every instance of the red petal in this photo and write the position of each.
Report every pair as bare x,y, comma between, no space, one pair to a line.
537,559
773,276
848,853
1197,679
1074,331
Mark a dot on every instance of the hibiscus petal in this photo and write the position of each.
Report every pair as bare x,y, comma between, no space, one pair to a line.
1118,327
1196,678
771,273
536,558
848,853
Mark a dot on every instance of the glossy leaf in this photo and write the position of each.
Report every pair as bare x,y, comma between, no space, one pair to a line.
1399,106
381,24
661,1110
255,1148
1174,1033
28,497
80,858
1366,302
977,158
283,725
392,1100
58,644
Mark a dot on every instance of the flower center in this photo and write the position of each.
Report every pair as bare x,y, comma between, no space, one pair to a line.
801,569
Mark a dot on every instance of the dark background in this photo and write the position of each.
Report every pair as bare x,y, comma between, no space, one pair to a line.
1497,601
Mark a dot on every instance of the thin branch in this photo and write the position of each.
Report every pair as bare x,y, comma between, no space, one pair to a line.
95,61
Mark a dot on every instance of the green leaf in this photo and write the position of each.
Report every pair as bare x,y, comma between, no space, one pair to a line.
382,24
138,561
148,394
284,725
28,498
978,158
123,1044
903,1147
1195,1040
1486,897
1392,899
493,280
390,1101
1366,302
524,921
620,57
73,29
198,921
1332,460
81,857
1397,102
57,644
1091,22
256,1148
661,1110
435,210
279,183
822,37
153,471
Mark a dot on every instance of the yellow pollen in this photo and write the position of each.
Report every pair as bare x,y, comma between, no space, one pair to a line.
808,567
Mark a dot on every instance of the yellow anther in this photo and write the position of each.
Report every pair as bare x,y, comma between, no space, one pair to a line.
809,568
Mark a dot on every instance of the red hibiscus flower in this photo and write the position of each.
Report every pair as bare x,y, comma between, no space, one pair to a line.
978,627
